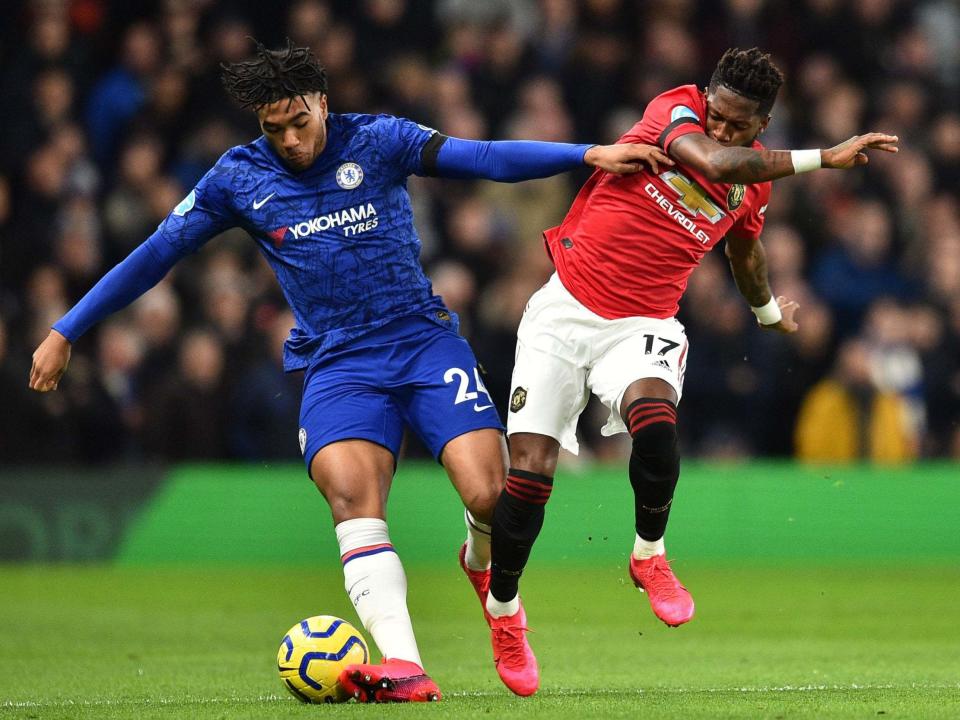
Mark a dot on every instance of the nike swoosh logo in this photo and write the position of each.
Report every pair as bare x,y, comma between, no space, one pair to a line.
257,204
481,408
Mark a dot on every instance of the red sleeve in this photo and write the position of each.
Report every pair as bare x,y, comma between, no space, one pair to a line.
670,115
749,225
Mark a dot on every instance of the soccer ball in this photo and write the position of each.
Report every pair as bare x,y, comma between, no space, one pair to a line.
312,655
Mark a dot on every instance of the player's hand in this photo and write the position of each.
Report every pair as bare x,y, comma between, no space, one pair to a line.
626,158
50,362
787,324
851,152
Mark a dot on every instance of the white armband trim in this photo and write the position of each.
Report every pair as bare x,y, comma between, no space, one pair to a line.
805,160
768,314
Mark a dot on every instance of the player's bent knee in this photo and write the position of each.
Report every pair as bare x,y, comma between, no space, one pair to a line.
480,490
349,507
537,457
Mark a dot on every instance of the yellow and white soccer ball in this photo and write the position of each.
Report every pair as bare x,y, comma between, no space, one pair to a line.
314,652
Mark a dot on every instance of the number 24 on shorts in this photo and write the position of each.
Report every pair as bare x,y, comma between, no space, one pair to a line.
464,394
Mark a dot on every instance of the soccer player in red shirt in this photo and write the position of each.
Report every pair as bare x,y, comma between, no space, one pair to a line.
604,323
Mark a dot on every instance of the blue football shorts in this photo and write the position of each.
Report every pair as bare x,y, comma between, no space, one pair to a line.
410,372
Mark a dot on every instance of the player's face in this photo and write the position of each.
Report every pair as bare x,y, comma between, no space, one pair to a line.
732,119
296,130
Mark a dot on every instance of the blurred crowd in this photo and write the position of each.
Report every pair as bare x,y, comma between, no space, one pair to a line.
113,110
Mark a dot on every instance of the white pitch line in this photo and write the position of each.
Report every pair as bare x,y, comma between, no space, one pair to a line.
565,692
570,692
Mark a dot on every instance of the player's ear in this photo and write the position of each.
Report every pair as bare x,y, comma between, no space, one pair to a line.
323,107
763,125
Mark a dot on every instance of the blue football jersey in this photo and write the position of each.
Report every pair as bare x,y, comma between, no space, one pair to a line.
339,235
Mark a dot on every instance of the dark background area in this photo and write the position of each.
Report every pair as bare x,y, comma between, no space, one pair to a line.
113,110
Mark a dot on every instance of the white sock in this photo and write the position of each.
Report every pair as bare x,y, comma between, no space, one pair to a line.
643,549
377,586
478,542
499,609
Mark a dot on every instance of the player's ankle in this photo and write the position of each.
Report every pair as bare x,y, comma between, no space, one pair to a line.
498,608
645,549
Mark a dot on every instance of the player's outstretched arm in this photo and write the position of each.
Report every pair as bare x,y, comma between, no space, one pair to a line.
516,160
748,262
140,271
723,164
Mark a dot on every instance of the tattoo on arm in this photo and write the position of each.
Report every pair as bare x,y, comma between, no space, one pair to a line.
746,165
749,268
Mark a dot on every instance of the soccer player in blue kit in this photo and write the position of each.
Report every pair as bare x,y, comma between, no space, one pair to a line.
324,197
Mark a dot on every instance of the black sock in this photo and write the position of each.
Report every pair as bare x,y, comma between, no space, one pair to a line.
517,520
654,463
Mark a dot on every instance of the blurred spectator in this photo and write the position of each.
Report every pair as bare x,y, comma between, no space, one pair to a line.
129,217
847,417
860,267
117,96
265,403
188,417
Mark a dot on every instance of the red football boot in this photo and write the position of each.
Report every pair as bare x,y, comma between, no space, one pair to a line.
669,599
515,661
480,579
390,681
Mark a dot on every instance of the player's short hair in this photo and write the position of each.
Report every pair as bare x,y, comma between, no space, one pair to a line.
273,75
750,73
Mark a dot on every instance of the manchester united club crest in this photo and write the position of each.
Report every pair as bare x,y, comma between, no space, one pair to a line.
518,399
735,197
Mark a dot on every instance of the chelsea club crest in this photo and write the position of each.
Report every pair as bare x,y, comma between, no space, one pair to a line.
349,175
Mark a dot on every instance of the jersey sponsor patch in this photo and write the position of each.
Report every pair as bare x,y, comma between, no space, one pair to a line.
349,175
682,111
186,205
302,437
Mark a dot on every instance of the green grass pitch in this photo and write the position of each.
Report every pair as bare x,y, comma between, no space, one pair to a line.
794,641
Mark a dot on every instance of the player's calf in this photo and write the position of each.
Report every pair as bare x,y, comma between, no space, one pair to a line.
654,463
517,521
654,471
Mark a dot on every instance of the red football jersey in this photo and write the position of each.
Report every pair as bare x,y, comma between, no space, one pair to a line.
629,242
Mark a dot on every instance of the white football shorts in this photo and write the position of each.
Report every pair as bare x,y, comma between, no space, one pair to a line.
565,351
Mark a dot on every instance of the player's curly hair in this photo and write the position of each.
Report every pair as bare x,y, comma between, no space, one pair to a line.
750,73
273,75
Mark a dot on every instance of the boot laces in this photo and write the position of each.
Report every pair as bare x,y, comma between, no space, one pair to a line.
661,578
510,641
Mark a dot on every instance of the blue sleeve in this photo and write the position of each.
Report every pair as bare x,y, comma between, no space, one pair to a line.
201,215
207,210
140,271
401,141
503,160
